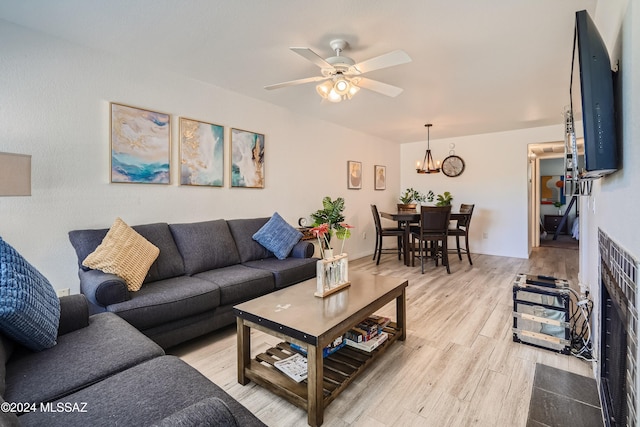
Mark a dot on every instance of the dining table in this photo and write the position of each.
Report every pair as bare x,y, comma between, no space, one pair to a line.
405,218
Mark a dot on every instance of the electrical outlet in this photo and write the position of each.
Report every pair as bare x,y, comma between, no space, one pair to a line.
364,235
62,292
485,235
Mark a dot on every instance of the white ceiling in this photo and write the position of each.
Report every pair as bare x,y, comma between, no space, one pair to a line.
478,66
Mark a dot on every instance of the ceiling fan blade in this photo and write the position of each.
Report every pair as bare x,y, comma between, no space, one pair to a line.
379,87
310,55
296,82
390,59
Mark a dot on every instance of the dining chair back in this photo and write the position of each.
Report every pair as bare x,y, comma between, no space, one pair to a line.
385,232
462,230
432,235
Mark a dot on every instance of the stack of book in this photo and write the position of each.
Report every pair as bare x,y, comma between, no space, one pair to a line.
368,334
336,345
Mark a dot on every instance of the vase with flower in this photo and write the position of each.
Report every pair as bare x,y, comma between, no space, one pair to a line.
332,271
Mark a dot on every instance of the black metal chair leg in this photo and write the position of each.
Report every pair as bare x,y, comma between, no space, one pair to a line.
466,241
445,255
458,246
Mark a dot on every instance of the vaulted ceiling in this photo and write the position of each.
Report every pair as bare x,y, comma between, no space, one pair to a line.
477,66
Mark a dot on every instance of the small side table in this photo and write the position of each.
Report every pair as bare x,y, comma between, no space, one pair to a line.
552,222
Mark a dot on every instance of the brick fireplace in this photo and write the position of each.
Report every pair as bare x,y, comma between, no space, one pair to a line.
617,359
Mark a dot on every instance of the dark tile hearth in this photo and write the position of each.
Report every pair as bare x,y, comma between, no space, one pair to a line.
562,398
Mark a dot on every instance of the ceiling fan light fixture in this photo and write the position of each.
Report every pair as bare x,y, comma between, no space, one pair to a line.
324,89
341,86
352,90
334,96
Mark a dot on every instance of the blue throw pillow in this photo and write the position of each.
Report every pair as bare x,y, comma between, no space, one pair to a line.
29,307
278,236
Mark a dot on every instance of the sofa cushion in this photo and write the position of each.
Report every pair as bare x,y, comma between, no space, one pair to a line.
168,264
288,271
82,357
239,283
8,419
205,245
242,231
29,306
125,253
168,300
140,396
6,349
278,236
207,412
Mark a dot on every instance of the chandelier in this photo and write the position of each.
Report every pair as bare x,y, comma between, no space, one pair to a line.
338,89
428,166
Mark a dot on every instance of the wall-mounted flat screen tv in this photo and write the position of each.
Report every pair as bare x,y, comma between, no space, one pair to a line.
592,99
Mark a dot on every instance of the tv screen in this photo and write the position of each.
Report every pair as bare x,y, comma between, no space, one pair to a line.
595,99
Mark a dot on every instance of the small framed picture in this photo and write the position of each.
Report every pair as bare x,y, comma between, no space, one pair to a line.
354,175
380,177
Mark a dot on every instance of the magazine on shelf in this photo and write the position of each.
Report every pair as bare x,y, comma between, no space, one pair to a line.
370,345
295,367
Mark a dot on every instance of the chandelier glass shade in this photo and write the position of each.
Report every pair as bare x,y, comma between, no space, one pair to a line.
428,165
338,89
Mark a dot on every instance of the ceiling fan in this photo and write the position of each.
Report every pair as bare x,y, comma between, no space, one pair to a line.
342,76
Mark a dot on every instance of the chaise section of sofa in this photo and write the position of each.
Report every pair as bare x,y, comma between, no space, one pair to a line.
104,372
161,391
202,271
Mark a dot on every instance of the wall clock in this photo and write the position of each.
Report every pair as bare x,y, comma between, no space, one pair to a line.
453,166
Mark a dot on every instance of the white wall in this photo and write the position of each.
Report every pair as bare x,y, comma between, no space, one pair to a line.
614,204
54,105
494,179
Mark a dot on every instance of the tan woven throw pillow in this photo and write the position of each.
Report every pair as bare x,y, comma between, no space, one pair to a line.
125,253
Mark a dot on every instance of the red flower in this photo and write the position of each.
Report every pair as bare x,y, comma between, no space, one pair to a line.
320,230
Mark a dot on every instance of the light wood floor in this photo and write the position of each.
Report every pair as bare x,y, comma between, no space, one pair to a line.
457,367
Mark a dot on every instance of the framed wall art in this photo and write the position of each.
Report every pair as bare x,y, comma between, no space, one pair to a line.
247,159
201,153
140,145
380,177
552,190
354,175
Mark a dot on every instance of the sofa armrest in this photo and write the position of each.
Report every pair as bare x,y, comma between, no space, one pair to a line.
303,249
74,313
103,289
208,412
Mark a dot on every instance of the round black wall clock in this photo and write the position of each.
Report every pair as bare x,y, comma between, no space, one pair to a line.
453,166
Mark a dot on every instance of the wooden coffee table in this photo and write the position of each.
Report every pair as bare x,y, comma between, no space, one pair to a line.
295,315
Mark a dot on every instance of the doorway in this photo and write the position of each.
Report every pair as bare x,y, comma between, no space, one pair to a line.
547,201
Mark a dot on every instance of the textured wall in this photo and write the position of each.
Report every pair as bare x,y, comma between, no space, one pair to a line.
55,105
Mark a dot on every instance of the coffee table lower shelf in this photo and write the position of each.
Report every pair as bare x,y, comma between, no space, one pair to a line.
340,369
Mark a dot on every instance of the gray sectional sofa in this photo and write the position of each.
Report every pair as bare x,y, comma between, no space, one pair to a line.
103,372
202,271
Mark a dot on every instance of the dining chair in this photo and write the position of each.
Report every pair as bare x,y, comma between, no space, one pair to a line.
385,232
432,235
462,230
